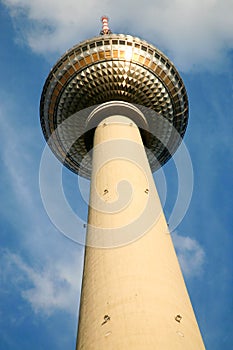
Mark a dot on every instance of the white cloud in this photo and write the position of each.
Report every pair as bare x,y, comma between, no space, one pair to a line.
196,33
17,160
55,285
51,288
190,254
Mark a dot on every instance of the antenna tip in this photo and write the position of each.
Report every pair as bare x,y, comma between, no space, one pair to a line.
105,27
104,17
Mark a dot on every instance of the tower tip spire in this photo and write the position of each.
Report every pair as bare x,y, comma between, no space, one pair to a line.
105,27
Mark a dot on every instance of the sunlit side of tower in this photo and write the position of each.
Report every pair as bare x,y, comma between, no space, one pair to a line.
128,105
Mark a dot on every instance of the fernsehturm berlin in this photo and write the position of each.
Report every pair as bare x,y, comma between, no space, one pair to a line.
114,109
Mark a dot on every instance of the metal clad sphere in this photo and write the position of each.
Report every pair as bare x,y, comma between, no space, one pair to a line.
106,68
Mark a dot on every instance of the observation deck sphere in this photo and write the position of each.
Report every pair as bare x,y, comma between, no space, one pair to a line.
108,68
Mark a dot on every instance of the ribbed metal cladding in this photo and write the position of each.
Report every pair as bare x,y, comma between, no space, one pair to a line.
106,68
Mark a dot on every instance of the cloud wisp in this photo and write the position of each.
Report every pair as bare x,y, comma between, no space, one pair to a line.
49,289
55,284
196,34
190,254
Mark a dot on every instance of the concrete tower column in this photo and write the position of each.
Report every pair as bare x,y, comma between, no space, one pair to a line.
133,293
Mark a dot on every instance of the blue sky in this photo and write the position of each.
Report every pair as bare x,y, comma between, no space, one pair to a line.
40,269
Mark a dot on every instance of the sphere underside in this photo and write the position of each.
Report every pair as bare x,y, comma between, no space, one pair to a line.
107,68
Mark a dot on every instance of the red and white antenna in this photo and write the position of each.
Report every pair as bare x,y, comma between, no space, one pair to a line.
105,27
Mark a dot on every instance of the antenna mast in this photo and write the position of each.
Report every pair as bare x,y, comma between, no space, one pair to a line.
105,27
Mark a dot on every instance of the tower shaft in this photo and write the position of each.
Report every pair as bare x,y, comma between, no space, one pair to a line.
133,295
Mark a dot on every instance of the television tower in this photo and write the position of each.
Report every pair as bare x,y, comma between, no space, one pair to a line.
114,109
